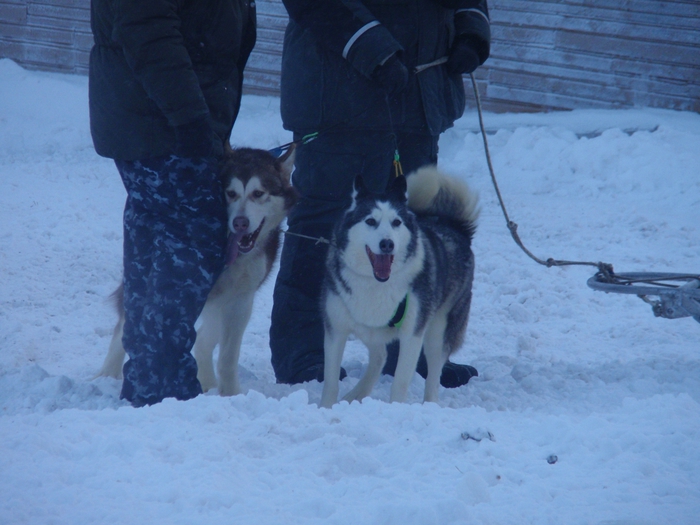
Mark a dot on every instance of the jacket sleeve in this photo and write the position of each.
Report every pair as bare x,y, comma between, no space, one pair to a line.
346,28
472,21
149,35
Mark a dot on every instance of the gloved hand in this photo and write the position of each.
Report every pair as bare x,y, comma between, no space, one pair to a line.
195,139
392,75
463,58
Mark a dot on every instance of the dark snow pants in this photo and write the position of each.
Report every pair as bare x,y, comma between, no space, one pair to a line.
324,173
174,243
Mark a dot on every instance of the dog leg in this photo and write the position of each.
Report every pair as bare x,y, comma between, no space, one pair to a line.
377,358
234,319
433,348
333,348
409,352
208,335
114,361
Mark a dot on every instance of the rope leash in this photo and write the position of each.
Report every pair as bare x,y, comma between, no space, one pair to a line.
604,268
319,240
675,300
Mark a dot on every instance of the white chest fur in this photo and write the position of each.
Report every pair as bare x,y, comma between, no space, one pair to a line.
243,277
373,303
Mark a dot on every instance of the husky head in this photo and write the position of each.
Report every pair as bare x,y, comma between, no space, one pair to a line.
258,194
378,231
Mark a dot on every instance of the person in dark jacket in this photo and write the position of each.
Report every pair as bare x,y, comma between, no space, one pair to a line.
375,80
165,89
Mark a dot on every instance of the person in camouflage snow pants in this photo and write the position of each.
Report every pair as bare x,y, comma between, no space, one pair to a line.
165,88
174,222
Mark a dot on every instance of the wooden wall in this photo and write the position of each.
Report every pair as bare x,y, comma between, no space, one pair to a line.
53,35
546,54
594,54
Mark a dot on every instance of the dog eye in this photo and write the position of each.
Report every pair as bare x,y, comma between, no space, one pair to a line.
371,222
258,193
396,223
231,194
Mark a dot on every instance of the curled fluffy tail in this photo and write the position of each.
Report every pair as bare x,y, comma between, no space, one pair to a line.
431,192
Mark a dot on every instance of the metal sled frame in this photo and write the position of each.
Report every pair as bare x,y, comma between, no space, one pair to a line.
677,294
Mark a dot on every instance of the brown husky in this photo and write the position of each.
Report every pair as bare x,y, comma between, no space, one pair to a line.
259,196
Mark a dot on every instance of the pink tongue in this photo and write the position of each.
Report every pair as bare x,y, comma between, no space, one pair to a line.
232,248
381,264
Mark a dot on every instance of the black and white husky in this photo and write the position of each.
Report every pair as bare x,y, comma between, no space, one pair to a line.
259,197
400,266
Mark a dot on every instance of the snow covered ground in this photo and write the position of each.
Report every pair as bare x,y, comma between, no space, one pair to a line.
591,378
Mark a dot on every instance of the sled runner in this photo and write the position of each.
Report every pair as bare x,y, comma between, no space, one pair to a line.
677,295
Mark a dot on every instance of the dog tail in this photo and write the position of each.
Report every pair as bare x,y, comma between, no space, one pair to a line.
431,192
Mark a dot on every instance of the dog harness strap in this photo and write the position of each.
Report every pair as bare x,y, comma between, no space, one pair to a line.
399,314
279,150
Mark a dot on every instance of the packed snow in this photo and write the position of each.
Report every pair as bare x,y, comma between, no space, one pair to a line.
586,409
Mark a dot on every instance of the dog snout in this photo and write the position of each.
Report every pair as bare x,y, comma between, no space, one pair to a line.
240,224
386,245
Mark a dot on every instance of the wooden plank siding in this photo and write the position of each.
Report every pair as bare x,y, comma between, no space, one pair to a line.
263,69
51,35
546,54
568,54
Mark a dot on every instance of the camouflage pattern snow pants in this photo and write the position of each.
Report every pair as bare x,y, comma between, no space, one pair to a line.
174,242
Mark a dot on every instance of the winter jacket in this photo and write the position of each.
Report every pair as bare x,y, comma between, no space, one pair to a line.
159,64
331,48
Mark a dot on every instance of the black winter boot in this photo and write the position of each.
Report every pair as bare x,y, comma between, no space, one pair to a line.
453,375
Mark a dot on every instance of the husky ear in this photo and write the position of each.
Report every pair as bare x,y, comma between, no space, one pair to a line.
360,188
286,162
228,149
397,188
